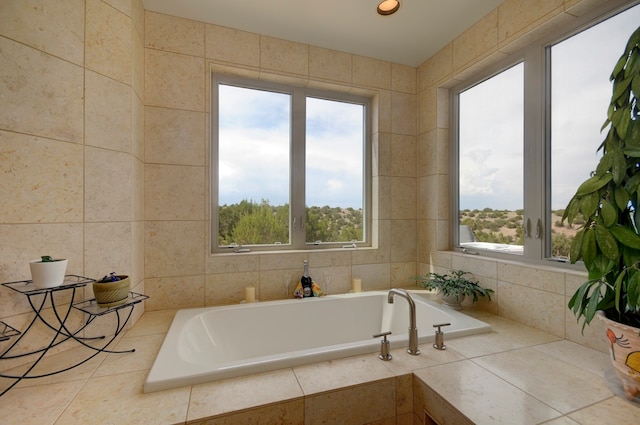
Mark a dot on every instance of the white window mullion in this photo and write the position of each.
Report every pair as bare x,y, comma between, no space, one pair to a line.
298,130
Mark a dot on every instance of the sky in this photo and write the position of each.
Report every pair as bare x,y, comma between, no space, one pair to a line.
491,160
257,122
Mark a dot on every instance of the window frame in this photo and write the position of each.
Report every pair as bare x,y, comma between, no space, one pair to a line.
297,167
536,57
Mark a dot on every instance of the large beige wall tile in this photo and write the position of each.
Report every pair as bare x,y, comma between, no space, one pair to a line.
381,154
283,413
231,263
108,41
403,78
55,29
174,81
427,110
284,56
517,17
228,288
137,62
108,249
22,243
533,277
237,394
45,93
231,45
137,190
371,72
123,6
438,68
426,153
476,42
137,127
108,191
374,276
403,156
137,16
174,192
175,292
174,136
403,240
108,114
329,64
362,404
403,198
42,180
174,248
547,313
403,113
165,32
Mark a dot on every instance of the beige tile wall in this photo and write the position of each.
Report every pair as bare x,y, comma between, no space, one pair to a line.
71,141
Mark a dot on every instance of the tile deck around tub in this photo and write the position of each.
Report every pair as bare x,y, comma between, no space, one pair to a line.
514,374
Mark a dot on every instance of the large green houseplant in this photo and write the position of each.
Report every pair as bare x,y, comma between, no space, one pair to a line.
609,241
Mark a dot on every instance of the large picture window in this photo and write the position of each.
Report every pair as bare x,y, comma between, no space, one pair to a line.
527,134
289,167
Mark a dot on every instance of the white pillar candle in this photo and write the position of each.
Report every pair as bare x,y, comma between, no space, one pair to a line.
356,285
250,294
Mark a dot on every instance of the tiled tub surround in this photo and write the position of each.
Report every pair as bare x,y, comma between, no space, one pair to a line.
513,375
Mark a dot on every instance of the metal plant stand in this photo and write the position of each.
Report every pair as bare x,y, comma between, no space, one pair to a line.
58,326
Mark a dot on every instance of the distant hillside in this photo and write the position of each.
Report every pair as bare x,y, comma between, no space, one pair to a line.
504,226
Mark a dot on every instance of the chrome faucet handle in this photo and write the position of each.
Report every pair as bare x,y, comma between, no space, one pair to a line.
384,346
439,344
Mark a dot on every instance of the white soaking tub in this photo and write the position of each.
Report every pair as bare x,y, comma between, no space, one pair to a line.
207,344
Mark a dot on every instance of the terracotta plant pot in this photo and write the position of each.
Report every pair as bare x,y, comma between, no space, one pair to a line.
624,347
48,274
111,294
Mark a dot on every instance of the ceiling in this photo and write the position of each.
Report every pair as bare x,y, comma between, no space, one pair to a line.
410,36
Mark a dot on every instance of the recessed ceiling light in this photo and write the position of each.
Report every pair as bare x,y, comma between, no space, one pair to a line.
387,7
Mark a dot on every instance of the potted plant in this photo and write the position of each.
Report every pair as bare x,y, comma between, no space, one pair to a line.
454,287
609,241
48,272
112,290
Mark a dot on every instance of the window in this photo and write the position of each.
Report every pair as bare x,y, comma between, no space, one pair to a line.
491,147
527,135
289,167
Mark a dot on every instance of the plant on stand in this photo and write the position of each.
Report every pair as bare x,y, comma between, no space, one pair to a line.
112,290
609,241
454,287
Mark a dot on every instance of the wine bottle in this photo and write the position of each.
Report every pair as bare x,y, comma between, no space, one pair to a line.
306,281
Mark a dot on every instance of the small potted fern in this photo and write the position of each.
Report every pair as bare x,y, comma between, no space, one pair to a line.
454,287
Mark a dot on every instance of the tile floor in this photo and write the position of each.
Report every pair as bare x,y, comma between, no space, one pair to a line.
513,375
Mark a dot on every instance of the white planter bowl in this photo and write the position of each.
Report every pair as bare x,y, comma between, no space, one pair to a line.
48,274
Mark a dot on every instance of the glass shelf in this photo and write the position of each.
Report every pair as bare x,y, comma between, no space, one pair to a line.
91,306
70,281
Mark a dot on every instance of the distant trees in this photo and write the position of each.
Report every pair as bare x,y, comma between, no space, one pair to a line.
251,223
506,227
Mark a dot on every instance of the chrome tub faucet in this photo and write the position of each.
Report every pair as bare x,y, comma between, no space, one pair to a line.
413,330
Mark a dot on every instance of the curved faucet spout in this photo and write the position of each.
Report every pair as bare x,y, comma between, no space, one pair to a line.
413,330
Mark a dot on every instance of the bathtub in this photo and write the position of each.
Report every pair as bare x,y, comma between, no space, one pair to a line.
208,344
